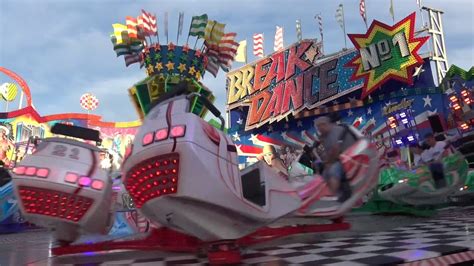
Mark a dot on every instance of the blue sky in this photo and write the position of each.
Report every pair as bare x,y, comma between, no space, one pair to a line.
62,47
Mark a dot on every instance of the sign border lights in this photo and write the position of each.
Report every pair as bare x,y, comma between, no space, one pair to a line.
377,54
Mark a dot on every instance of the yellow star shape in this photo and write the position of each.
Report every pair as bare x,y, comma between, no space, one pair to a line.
150,69
159,66
192,70
170,65
182,67
198,75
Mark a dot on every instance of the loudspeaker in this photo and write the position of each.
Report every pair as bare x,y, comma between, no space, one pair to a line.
436,124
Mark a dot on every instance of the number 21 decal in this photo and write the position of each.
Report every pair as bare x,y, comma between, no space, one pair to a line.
61,150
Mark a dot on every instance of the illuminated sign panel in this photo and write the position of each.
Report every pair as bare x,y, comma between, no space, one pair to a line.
287,82
386,52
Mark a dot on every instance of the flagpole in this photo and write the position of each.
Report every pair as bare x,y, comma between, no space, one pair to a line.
189,32
166,27
157,35
366,18
177,32
179,22
344,26
392,11
195,44
21,100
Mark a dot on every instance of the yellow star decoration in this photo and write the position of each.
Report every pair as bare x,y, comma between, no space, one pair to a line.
182,67
150,69
198,75
192,70
159,66
170,65
400,71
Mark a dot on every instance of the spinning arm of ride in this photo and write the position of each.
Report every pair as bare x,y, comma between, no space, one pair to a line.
409,187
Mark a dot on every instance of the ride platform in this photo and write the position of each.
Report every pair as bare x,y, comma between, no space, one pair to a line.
446,238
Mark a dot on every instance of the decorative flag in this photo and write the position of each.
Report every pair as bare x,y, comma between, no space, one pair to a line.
198,26
299,35
147,22
120,33
166,26
214,32
278,45
320,23
180,23
120,49
142,27
153,25
340,20
363,12
227,50
132,27
340,16
212,65
392,13
258,44
132,59
136,47
242,52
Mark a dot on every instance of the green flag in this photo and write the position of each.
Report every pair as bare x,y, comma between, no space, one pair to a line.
198,26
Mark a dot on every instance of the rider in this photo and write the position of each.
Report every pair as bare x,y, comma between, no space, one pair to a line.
270,156
433,157
335,140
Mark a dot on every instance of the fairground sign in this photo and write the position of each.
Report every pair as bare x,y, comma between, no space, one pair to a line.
386,52
288,81
291,80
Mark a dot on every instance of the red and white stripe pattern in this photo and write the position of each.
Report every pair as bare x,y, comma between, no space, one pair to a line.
320,23
362,11
132,59
258,44
212,65
278,45
467,256
132,27
147,23
227,50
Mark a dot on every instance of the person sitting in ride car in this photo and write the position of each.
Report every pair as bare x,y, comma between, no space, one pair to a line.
419,156
270,156
335,140
432,156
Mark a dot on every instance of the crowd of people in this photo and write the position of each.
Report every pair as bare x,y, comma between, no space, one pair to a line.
334,139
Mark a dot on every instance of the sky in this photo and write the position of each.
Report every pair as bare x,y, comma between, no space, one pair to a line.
63,50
